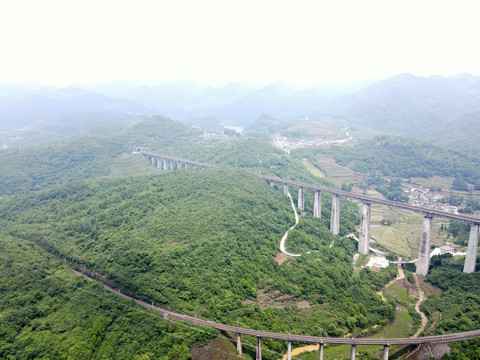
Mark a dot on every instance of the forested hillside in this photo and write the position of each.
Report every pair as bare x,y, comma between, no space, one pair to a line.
457,308
404,158
203,242
91,156
47,312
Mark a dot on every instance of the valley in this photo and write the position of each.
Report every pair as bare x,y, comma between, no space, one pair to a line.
256,180
205,242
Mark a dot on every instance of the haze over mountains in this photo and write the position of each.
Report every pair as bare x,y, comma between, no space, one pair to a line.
437,109
38,114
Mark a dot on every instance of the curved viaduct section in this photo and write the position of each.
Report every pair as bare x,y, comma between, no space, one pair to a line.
170,163
289,338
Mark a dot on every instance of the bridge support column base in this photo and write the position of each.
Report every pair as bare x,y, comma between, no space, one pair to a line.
317,205
385,352
352,352
364,241
259,349
285,189
301,198
472,250
320,352
335,218
423,262
239,344
289,350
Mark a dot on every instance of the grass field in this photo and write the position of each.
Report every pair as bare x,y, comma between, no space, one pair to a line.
400,327
313,170
337,174
402,237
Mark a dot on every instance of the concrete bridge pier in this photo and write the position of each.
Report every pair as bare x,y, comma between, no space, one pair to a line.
152,160
179,165
186,166
272,183
317,204
289,350
158,163
165,164
285,189
320,352
239,344
363,244
353,351
301,198
423,262
259,348
171,164
385,352
335,218
472,250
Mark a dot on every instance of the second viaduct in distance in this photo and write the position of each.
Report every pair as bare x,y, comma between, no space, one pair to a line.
170,163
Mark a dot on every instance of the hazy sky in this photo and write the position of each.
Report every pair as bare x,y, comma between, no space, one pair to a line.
63,42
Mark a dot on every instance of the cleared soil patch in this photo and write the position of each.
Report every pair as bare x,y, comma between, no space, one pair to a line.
275,299
218,349
280,258
302,349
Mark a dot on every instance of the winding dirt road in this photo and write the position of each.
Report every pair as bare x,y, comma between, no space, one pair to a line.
284,238
421,298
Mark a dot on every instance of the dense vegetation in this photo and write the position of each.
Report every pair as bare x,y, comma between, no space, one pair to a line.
35,168
91,156
404,158
459,303
46,312
203,242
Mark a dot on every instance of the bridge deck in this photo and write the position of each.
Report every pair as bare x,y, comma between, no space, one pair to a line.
317,339
369,199
178,159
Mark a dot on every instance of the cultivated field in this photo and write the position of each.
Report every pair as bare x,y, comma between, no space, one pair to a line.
338,174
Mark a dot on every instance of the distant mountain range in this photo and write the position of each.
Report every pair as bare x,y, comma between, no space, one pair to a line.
41,114
442,110
413,106
233,104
